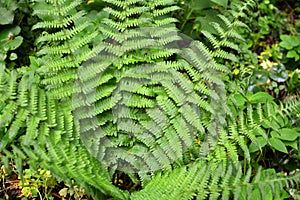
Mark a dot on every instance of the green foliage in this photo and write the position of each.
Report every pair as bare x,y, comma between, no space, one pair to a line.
9,34
35,116
202,181
292,44
270,75
117,92
67,47
37,183
263,123
72,192
35,180
158,120
16,38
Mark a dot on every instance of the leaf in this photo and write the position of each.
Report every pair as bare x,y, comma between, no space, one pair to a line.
292,144
7,16
9,30
270,124
260,141
293,54
260,97
34,62
200,5
275,134
256,194
2,56
223,3
254,88
240,100
63,192
278,73
269,195
278,145
12,44
13,56
260,77
288,134
289,42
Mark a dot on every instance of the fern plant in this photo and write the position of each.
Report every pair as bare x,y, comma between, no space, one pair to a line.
144,104
201,181
37,128
133,96
68,31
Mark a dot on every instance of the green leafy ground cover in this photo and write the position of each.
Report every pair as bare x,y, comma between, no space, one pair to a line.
219,117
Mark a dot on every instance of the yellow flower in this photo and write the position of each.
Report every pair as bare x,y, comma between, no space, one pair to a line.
260,57
236,71
298,72
264,55
267,64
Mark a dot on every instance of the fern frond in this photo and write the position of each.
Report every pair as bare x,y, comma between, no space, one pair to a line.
65,48
59,146
164,22
165,11
225,55
291,107
129,12
147,102
63,34
12,85
214,183
63,7
225,32
138,102
123,4
58,23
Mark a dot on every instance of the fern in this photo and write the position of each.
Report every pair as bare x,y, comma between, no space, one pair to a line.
201,181
58,148
252,125
125,112
125,95
65,48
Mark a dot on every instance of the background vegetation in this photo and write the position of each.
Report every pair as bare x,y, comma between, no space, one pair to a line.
240,66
